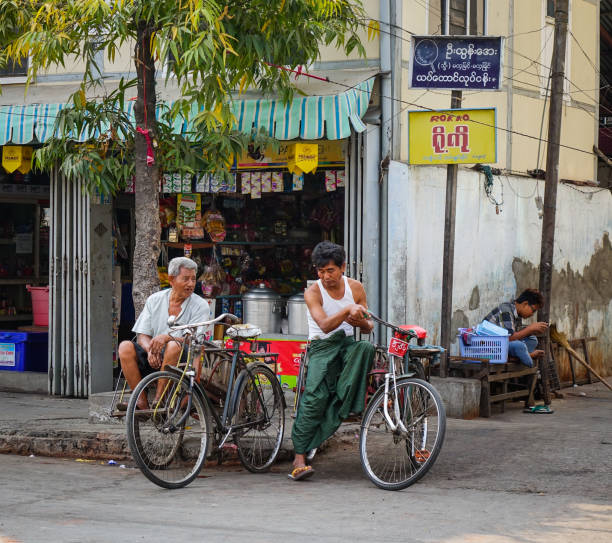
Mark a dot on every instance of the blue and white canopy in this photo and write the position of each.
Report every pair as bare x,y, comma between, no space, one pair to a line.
331,116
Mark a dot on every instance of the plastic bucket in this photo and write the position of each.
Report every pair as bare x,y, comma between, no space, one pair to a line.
40,305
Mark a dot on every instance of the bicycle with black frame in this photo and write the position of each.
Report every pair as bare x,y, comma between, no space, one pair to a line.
404,422
219,396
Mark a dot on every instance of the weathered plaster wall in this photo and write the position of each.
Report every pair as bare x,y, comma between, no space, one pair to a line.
497,255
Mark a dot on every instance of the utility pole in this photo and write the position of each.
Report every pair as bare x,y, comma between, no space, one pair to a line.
552,175
448,258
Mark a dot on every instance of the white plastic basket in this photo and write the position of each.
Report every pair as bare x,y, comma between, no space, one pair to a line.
495,348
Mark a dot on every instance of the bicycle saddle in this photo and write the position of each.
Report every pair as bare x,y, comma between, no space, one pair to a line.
420,332
246,331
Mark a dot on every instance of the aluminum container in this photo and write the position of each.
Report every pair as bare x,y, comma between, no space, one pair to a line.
263,308
297,315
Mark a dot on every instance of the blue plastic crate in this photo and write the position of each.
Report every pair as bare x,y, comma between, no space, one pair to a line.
495,348
23,351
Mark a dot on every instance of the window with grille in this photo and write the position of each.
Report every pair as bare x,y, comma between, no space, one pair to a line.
464,17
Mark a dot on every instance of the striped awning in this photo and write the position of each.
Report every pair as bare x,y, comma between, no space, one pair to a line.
305,117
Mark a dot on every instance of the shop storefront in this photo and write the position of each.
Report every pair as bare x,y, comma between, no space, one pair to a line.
24,261
251,233
252,236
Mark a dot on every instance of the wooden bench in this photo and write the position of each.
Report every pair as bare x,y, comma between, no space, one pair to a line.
498,381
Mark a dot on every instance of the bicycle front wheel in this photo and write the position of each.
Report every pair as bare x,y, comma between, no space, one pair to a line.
259,417
170,439
396,459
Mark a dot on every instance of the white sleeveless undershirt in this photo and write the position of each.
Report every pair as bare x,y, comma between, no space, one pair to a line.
331,306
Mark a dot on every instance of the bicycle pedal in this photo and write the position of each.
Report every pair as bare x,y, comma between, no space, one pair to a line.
421,455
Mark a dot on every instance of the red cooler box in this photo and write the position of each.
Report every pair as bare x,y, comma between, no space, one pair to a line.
23,351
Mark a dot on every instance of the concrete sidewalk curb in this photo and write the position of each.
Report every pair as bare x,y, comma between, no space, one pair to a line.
69,444
88,445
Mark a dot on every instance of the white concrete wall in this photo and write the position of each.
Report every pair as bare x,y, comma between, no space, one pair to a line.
498,253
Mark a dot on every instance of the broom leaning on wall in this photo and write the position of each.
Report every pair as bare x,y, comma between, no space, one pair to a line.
561,339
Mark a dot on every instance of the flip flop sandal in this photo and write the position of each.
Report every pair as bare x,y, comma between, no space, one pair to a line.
299,474
539,410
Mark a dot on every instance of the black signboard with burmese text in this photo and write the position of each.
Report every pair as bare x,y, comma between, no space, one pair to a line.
456,62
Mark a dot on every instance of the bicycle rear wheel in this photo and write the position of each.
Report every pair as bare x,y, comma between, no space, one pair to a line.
394,459
168,444
260,408
414,365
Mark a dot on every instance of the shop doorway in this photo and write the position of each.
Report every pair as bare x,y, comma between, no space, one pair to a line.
24,272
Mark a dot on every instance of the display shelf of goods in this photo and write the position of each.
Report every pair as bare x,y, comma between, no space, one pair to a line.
20,317
267,243
194,244
21,280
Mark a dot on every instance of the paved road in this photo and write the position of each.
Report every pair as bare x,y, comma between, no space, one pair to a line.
515,477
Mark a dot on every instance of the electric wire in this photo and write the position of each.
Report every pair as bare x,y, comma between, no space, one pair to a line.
584,52
408,103
532,61
425,108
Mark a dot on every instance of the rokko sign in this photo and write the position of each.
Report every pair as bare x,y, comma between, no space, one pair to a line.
453,136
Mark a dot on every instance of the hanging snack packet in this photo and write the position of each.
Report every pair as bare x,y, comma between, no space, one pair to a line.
340,178
203,182
212,278
256,185
330,180
230,184
277,182
166,185
188,207
245,182
184,181
189,214
266,182
216,184
214,223
298,181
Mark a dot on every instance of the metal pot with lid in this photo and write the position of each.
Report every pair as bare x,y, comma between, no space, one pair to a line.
263,308
297,315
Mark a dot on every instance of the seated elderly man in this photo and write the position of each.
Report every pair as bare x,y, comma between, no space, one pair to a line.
154,348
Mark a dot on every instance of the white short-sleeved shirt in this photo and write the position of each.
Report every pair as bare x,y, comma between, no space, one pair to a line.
153,321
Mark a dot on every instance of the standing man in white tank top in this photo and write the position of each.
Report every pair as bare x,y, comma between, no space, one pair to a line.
337,364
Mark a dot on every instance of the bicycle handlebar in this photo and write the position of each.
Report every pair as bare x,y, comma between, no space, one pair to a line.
393,327
229,316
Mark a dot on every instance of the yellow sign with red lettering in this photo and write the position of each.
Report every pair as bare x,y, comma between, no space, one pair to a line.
453,136
17,157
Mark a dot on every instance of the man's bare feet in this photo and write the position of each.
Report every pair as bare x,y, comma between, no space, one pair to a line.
537,354
299,461
300,469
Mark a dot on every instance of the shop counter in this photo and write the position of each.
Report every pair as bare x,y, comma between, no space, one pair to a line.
288,347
